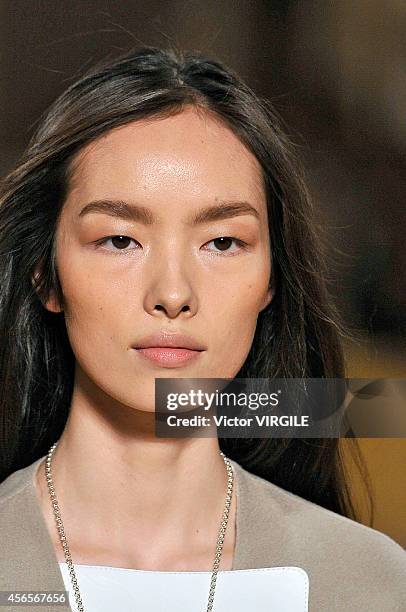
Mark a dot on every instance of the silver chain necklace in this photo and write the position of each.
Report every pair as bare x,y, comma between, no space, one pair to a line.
64,541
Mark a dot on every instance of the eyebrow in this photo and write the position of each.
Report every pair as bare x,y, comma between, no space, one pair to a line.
133,212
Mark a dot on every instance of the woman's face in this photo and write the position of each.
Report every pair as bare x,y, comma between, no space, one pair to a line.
146,257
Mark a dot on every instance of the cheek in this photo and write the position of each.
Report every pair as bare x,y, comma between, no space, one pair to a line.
86,284
92,304
239,316
234,324
238,295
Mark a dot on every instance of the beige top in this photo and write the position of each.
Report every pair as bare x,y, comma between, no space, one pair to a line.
351,567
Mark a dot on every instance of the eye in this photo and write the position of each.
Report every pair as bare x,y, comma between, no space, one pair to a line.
119,242
223,244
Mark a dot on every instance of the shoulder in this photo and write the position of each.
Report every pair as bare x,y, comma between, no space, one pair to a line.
326,544
24,537
309,518
12,489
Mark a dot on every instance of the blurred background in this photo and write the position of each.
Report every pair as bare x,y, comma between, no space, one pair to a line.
336,73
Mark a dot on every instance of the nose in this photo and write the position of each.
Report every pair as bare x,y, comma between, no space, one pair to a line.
170,291
171,310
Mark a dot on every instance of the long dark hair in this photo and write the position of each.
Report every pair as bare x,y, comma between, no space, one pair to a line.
297,335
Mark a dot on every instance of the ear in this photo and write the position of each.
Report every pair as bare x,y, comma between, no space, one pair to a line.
269,295
51,303
267,299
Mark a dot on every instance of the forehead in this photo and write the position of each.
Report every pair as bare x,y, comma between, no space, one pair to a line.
192,150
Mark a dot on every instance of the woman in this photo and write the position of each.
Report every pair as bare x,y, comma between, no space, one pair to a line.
159,227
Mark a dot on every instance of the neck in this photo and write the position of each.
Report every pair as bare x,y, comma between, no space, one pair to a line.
130,499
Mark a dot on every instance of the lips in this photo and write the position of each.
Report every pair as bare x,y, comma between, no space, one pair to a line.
169,349
168,356
165,339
